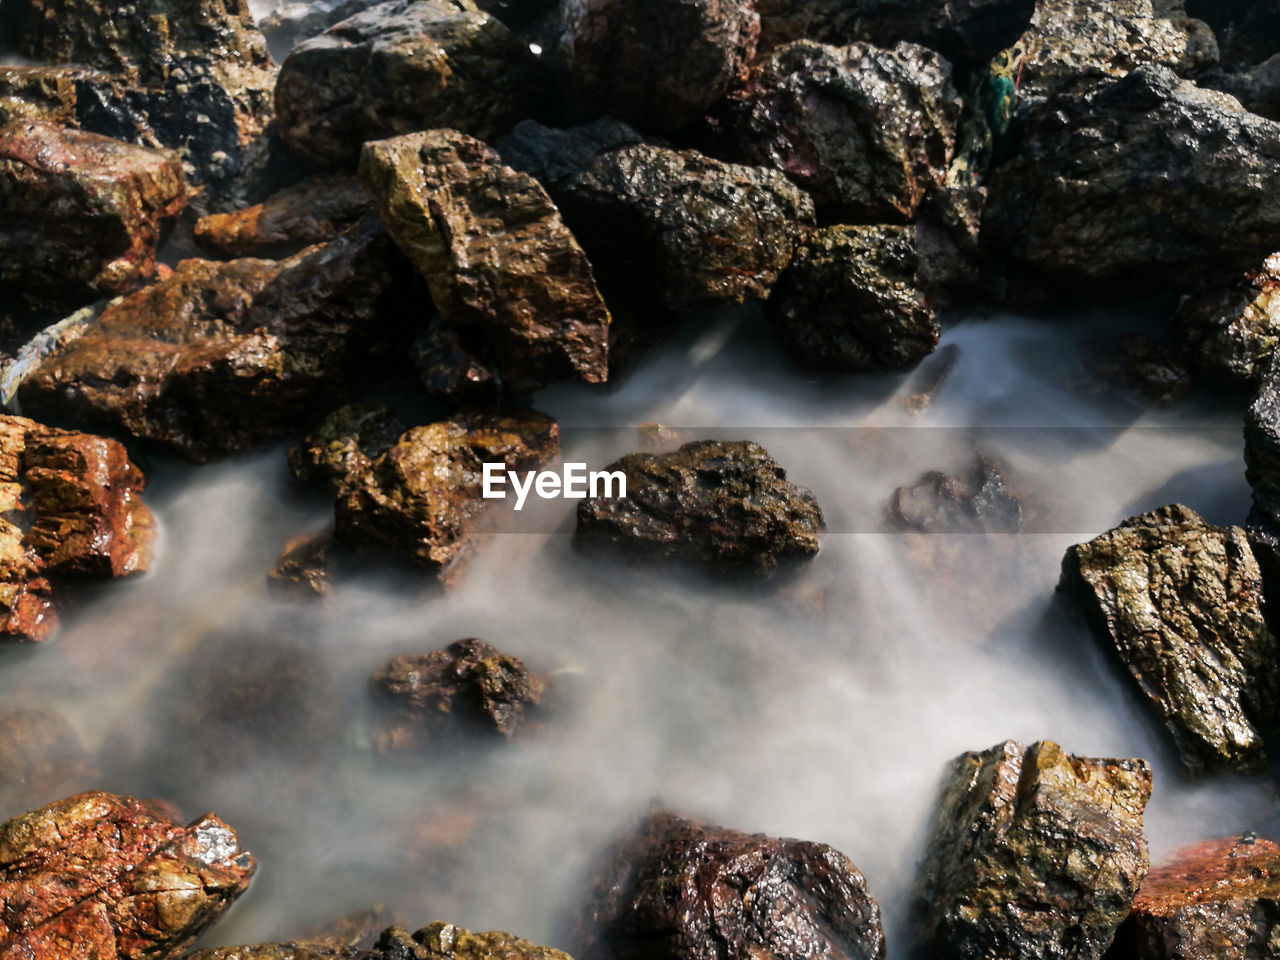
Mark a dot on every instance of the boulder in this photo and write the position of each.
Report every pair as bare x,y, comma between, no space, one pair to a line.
1229,331
1180,602
1034,853
1139,366
113,878
870,133
502,268
554,156
345,444
678,889
303,568
316,210
399,67
445,941
42,758
978,501
728,505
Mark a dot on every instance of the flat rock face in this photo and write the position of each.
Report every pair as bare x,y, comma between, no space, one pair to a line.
683,229
1217,900
1181,603
868,132
1034,853
113,878
728,505
677,889
399,67
446,941
1143,183
1230,331
503,269
657,64
82,214
853,300
421,500
314,211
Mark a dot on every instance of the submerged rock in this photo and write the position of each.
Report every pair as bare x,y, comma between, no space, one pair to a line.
977,502
345,444
1257,88
728,505
445,941
1248,30
42,758
1138,365
113,878
438,697
1034,853
1230,331
677,889
399,67
1181,603
314,211
502,267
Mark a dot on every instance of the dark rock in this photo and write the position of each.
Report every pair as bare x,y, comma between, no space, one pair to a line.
455,372
1248,30
345,444
977,502
421,500
1230,331
1138,365
113,878
930,378
42,758
1257,88
445,941
303,568
314,211
291,23
728,505
1034,853
869,133
658,64
347,938
683,229
399,67
852,300
1143,183
80,214
1181,603
1218,899
502,267
438,697
681,890
553,156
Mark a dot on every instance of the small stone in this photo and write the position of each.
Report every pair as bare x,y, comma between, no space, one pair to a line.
345,444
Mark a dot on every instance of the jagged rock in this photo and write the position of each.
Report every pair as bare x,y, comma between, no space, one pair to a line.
853,300
1138,365
728,505
977,502
1034,853
399,67
221,357
1257,87
113,878
1248,30
421,500
80,215
314,211
869,133
303,568
445,941
42,758
347,938
502,267
658,64
1180,602
1230,331
677,889
683,229
1217,900
553,156
345,444
438,697
1144,183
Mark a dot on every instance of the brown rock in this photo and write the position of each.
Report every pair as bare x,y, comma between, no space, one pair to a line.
303,567
345,444
445,941
978,501
314,211
42,758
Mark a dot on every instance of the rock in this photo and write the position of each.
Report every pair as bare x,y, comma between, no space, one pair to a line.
728,505
438,697
1181,603
421,500
1215,899
42,758
1034,853
303,568
869,133
345,444
454,371
1138,365
977,502
1247,30
929,379
683,229
113,878
314,211
1143,183
1230,331
399,67
553,156
677,889
445,941
502,267
1257,88
290,23
853,300
80,215
347,938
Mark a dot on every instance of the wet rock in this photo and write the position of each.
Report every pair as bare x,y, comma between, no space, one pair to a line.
314,211
42,758
303,568
1180,602
1230,331
439,697
1127,188
1138,365
445,941
658,64
114,878
681,890
683,229
421,500
728,505
868,132
502,267
345,444
455,369
80,215
347,938
554,156
1219,899
853,300
1034,853
399,67
977,502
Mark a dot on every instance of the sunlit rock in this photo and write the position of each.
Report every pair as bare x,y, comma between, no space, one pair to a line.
1229,331
314,211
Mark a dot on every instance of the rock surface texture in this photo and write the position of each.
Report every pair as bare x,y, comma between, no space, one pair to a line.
314,211
446,941
1230,331
978,501
345,444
